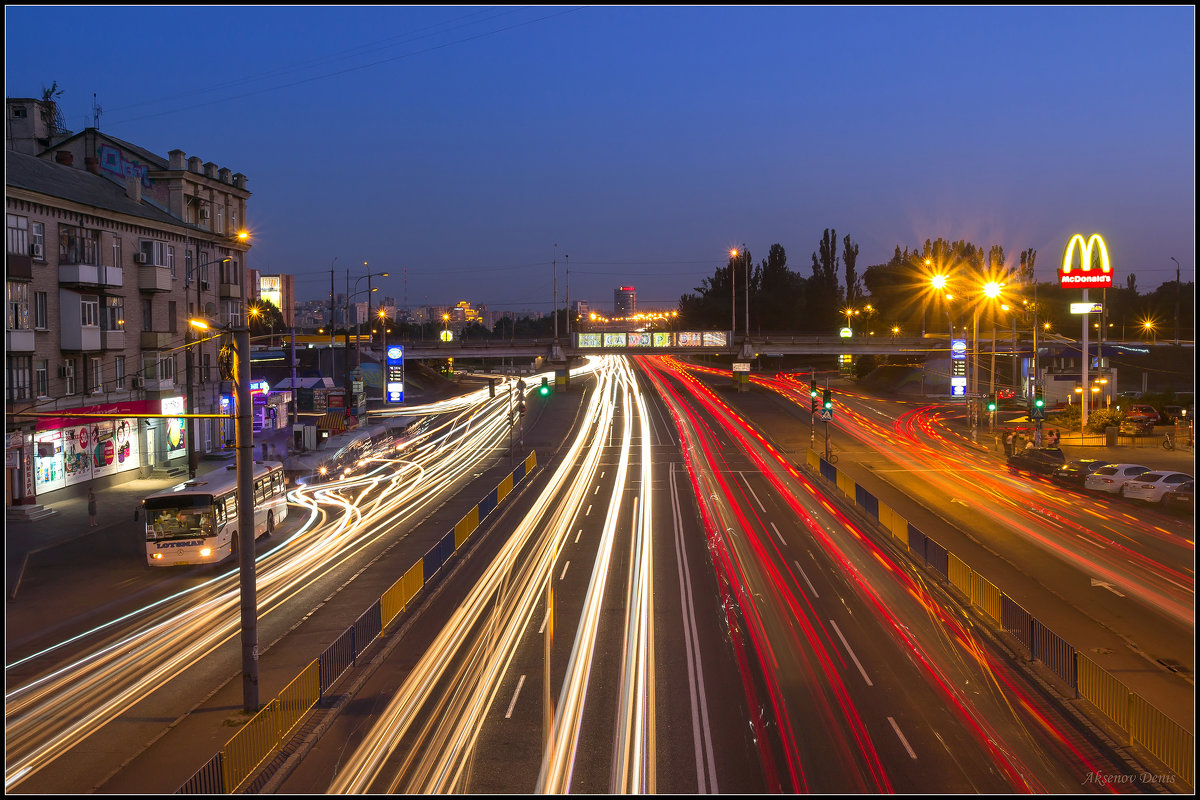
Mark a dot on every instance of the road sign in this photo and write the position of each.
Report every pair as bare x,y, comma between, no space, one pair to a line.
827,414
1037,413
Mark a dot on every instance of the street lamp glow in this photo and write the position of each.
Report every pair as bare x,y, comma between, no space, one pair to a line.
938,282
992,289
198,323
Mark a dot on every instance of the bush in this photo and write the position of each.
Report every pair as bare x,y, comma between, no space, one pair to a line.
1103,418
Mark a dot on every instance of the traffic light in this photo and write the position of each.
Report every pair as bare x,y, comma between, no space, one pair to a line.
991,403
1038,401
521,407
812,392
828,398
544,389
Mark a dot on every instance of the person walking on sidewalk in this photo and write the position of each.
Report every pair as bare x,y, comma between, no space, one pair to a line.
92,507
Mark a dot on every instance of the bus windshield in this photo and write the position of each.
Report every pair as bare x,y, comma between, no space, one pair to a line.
170,517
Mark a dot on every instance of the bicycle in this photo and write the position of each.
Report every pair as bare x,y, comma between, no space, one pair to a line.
1167,442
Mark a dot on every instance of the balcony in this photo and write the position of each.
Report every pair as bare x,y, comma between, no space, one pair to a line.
90,276
18,341
154,384
79,338
232,291
112,340
156,340
155,279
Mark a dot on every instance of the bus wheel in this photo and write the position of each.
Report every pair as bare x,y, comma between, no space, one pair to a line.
233,545
270,522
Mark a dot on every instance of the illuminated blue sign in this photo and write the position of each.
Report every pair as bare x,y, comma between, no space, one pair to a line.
393,381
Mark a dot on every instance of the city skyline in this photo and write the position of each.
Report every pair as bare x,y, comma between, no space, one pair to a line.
513,154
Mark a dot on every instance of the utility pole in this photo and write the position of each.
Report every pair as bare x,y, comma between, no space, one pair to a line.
245,502
1178,290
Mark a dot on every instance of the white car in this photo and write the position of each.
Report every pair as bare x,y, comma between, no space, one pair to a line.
1151,486
1110,479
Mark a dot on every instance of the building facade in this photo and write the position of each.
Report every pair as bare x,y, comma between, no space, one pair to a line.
110,250
624,301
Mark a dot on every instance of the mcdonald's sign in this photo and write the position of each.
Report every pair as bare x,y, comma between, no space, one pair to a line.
1092,250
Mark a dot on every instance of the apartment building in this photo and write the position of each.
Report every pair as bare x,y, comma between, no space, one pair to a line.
110,250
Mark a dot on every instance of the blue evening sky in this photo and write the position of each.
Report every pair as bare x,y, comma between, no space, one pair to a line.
462,144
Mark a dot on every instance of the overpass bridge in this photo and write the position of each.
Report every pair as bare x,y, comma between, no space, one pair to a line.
673,343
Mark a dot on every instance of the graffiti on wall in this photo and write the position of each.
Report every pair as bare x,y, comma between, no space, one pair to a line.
114,161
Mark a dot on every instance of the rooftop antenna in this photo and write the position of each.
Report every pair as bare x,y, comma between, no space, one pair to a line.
96,112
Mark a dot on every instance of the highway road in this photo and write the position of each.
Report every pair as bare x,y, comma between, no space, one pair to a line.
847,670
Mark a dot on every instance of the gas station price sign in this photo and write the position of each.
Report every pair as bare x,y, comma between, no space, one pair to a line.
394,378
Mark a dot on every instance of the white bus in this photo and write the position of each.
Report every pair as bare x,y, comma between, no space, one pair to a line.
196,522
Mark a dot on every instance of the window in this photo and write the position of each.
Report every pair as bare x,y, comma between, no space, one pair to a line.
77,245
220,219
206,375
90,308
188,277
18,306
118,256
18,235
112,317
158,254
119,373
204,270
149,367
94,373
233,312
172,314
166,368
18,112
20,369
69,377
41,317
37,232
147,315
42,378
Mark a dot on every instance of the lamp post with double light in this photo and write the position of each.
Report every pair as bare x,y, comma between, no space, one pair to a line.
237,370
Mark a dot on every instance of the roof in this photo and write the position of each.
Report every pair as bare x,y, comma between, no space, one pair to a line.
76,185
334,421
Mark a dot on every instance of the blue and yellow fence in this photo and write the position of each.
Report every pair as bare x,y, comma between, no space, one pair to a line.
1144,724
262,735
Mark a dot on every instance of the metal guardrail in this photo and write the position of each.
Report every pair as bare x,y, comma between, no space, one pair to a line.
264,733
1144,724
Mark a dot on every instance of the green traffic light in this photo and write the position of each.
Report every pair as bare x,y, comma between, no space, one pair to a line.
545,390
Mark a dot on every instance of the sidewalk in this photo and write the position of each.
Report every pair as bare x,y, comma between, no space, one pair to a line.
115,507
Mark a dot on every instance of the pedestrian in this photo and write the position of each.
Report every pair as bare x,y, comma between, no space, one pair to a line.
92,506
1029,444
1008,445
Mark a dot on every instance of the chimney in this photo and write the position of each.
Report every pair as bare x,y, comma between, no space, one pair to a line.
176,159
92,164
133,188
64,157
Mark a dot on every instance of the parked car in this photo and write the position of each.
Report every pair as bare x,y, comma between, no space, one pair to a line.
1143,411
1038,460
1110,479
1073,473
1176,413
1181,498
1149,487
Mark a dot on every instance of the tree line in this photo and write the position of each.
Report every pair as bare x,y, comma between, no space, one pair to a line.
900,294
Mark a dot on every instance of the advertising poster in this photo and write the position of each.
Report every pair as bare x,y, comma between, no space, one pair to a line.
689,339
614,340
662,339
48,461
589,340
77,453
176,427
715,339
639,339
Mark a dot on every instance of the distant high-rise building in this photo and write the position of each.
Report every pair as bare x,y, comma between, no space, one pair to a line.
624,301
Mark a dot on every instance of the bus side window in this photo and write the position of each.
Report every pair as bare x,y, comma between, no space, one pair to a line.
219,508
231,506
277,483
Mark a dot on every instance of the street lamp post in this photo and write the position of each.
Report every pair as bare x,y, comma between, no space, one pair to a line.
244,433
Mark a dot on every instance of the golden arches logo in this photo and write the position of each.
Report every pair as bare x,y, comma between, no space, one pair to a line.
1085,277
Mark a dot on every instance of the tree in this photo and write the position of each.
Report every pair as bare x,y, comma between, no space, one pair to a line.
1025,271
854,291
823,300
779,296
